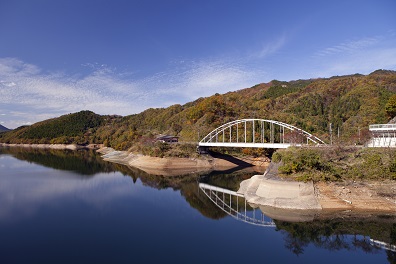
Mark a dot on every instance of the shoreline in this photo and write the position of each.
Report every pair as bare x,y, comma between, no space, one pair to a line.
172,166
269,190
53,146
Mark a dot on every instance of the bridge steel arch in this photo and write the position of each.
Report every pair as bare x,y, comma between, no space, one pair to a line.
258,133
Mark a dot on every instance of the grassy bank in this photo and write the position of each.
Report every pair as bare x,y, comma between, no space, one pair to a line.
337,163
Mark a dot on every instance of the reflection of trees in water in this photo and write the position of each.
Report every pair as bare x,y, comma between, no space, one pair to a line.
199,201
336,234
295,244
228,179
340,234
88,162
188,186
391,256
331,243
84,162
393,234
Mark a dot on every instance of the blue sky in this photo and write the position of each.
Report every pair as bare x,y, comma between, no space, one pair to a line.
122,57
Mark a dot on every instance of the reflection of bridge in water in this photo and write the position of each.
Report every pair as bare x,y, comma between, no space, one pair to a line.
258,133
230,202
383,245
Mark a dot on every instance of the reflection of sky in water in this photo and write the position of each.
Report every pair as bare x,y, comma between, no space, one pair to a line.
24,187
53,216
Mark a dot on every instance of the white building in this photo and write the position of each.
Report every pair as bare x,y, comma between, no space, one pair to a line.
383,135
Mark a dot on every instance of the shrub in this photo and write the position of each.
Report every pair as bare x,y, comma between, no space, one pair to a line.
276,157
337,163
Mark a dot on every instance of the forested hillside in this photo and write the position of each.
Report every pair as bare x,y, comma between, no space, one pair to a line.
77,128
350,103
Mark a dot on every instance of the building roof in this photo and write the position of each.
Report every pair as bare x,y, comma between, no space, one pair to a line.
162,137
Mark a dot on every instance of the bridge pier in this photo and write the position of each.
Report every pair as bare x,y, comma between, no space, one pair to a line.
202,150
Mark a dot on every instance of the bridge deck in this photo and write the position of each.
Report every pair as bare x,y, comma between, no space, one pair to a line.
247,145
383,128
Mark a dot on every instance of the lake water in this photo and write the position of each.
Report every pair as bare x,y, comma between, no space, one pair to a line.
72,207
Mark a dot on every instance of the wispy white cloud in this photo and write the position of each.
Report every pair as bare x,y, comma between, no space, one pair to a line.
27,90
358,56
37,95
360,63
14,66
208,77
272,47
349,46
7,84
31,95
28,94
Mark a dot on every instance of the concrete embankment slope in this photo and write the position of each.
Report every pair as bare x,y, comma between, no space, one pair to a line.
267,190
283,198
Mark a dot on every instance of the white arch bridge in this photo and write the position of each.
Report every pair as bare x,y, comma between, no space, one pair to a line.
258,133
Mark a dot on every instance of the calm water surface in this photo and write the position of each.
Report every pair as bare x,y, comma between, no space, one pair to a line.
71,207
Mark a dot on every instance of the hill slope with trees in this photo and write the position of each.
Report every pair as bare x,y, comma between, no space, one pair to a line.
76,128
350,103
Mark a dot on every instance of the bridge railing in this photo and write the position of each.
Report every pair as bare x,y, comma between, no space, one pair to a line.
382,127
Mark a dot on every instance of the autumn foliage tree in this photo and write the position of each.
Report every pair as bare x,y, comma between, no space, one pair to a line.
390,106
350,103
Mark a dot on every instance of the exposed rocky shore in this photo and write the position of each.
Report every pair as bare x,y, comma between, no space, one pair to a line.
270,190
176,166
267,190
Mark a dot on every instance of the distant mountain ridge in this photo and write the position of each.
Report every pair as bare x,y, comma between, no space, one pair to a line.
3,128
350,103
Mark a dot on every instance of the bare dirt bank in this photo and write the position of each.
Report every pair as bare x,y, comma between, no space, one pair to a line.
372,196
328,197
170,166
359,196
356,196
